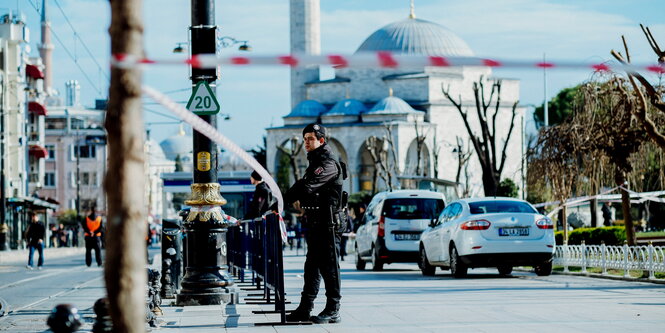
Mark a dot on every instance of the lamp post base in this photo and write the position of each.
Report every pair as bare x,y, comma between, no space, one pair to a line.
206,280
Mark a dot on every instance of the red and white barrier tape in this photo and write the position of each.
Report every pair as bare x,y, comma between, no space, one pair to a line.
377,60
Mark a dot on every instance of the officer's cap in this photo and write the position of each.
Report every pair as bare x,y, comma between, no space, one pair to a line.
318,130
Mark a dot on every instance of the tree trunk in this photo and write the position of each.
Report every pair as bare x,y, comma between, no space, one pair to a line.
124,271
564,223
593,207
620,179
490,184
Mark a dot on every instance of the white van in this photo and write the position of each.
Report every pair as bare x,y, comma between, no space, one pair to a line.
390,231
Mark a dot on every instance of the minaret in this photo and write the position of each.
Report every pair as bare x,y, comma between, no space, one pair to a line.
46,50
305,38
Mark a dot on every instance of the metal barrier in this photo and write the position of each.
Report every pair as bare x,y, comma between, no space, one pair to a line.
645,257
255,247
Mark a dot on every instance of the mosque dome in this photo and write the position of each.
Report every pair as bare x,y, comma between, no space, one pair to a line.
391,105
416,36
155,151
179,144
349,106
307,108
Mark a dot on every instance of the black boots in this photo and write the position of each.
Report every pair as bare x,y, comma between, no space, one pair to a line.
301,313
329,315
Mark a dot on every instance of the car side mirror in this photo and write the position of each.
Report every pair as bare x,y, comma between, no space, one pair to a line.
434,222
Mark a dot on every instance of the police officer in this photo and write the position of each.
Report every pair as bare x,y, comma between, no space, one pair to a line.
93,234
262,198
320,195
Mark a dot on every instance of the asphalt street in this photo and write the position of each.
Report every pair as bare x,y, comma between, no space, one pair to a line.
394,300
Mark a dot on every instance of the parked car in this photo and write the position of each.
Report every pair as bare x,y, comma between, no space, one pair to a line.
488,232
390,231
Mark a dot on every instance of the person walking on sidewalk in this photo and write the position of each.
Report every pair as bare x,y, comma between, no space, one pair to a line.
262,198
34,235
320,195
93,234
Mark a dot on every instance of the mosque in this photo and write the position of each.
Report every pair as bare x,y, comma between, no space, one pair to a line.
395,105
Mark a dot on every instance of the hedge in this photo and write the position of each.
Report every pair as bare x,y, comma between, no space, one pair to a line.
593,236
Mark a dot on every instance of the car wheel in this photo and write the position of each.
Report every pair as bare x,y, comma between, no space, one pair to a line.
377,264
360,263
505,270
544,269
457,267
425,267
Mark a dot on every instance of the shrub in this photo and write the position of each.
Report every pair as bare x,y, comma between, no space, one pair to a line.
593,236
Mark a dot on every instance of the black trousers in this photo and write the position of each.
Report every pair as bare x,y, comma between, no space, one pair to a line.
93,243
321,262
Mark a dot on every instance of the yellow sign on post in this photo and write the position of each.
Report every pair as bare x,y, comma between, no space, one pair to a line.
203,161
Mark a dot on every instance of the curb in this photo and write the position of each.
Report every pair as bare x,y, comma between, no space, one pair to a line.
601,276
612,277
20,256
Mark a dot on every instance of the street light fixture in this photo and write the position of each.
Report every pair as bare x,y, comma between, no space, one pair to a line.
222,42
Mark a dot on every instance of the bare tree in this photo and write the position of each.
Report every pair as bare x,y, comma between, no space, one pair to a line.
655,94
492,158
421,136
378,154
463,156
126,255
292,153
436,151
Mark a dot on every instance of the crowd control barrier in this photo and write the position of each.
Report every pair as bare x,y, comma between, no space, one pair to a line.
255,249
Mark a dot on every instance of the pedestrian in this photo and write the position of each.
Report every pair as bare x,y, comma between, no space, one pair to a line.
359,216
607,214
262,199
93,234
320,195
34,235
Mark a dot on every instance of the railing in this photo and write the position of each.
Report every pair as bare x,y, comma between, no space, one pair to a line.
645,257
256,246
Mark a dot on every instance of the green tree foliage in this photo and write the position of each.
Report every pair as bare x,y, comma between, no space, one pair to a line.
283,172
259,152
67,217
559,108
507,188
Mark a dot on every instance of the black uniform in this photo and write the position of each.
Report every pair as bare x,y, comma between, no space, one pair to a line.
319,193
261,201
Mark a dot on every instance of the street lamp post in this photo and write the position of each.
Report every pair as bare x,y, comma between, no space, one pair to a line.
206,280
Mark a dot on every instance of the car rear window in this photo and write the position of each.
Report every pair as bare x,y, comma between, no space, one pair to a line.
412,208
484,207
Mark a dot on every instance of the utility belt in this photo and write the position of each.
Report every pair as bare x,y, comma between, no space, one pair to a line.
327,217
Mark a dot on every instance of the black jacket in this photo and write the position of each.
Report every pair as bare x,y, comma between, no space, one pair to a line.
34,233
261,201
321,186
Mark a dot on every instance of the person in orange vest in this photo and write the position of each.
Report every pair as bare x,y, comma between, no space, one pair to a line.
93,234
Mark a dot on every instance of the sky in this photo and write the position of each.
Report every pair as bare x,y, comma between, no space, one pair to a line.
258,97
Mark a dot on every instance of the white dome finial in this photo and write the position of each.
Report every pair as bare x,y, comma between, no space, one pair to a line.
412,15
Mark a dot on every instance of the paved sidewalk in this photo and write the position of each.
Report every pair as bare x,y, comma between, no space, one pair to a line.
16,256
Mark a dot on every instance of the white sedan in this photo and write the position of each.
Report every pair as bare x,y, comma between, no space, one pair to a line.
488,232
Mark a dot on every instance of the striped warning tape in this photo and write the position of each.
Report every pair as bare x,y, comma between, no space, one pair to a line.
378,60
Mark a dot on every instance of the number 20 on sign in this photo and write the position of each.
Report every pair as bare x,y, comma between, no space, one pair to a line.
203,101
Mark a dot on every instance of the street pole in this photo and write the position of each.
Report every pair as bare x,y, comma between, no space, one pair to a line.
206,279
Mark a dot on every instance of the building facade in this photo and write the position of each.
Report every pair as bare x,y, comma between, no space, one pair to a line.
22,150
405,109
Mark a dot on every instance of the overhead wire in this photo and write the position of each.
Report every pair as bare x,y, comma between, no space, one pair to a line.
69,53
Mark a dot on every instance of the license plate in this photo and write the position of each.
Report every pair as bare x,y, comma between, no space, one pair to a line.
513,231
407,236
